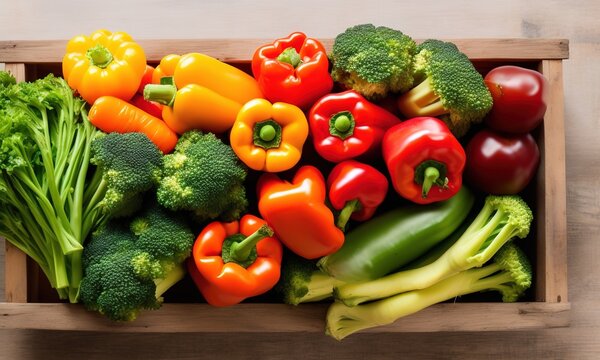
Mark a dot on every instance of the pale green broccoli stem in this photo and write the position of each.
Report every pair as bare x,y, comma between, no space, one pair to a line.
421,101
320,288
343,320
173,277
464,254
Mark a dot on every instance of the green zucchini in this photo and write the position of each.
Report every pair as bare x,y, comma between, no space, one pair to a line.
395,238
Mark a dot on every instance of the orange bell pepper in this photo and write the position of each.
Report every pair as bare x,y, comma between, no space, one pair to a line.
234,261
269,137
298,214
104,63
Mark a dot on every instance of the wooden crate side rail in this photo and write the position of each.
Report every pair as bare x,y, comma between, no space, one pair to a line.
265,318
551,188
52,51
15,261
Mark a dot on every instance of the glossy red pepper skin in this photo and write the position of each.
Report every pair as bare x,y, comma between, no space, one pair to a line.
152,108
351,180
411,147
297,212
369,123
501,164
228,283
282,82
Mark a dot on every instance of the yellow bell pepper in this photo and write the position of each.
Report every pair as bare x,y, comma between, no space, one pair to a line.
269,137
204,70
193,107
165,68
104,63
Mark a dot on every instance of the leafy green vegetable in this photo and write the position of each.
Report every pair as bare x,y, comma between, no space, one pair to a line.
45,176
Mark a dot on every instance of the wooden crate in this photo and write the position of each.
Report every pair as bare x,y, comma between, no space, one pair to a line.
547,308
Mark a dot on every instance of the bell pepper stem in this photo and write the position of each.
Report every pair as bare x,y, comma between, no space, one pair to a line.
342,125
162,94
290,56
347,211
240,251
267,134
432,174
99,56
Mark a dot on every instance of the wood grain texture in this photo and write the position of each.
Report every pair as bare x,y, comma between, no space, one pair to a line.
576,21
551,188
49,51
273,318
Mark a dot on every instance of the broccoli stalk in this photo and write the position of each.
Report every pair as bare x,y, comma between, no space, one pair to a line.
500,219
509,273
374,61
447,86
45,141
301,281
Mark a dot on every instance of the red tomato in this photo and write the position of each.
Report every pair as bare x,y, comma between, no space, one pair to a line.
501,164
520,98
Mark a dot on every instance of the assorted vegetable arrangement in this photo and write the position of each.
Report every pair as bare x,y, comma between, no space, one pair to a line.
122,179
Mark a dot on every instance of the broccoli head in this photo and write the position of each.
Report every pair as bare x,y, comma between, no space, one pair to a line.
373,61
301,281
203,175
129,264
129,164
447,86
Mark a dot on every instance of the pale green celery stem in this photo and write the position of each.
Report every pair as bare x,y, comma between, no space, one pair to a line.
75,275
343,320
324,290
67,240
78,207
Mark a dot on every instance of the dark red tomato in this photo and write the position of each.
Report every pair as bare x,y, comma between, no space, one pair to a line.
520,98
501,164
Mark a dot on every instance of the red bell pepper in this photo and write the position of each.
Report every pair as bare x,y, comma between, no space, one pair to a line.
345,126
151,107
294,70
234,261
356,189
425,161
298,214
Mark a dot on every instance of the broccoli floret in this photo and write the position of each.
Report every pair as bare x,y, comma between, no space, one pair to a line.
129,165
373,61
301,281
500,219
128,265
509,273
447,86
203,175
